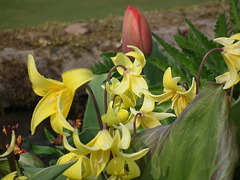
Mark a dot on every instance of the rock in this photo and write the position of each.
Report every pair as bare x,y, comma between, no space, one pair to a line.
75,29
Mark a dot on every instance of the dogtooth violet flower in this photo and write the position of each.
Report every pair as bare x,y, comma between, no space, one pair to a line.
57,96
101,147
125,100
179,95
231,55
136,31
132,78
145,117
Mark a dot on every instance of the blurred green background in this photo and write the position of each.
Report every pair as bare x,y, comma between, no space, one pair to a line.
19,13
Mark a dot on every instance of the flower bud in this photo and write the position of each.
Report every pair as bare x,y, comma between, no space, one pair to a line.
136,31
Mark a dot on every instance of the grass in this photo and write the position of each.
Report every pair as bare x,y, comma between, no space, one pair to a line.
20,13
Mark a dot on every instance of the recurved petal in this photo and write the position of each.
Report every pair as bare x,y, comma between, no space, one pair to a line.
126,136
122,59
103,140
123,86
116,166
45,108
160,98
134,156
148,104
134,170
235,36
66,158
191,93
161,116
138,83
75,78
11,146
224,41
168,82
137,54
41,85
66,144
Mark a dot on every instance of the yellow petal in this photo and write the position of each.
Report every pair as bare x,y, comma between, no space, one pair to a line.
138,83
235,36
168,82
11,146
148,121
160,98
134,170
224,41
191,93
10,176
134,156
137,54
103,140
122,59
123,86
66,158
116,166
81,148
126,136
66,144
41,85
45,108
98,161
75,78
148,104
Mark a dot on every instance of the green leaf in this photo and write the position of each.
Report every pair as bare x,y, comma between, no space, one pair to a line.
37,149
104,66
30,160
90,118
199,144
234,11
222,28
49,135
51,172
180,60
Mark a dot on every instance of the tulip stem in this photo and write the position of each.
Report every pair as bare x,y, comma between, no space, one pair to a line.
108,78
96,106
10,157
201,66
134,122
231,95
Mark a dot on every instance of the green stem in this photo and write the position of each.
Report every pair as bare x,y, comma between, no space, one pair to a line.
108,78
96,106
231,95
134,122
201,66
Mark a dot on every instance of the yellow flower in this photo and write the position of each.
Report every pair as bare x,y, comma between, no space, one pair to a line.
146,118
231,55
116,168
179,95
78,170
114,115
102,146
132,78
125,100
57,96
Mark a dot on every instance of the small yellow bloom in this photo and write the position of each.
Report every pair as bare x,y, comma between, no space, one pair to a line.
179,95
102,146
146,118
57,96
231,55
132,78
78,170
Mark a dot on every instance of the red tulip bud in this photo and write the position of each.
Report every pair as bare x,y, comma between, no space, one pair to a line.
136,31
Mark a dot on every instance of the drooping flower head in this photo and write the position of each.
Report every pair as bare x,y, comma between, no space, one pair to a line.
132,78
179,95
57,96
136,31
231,55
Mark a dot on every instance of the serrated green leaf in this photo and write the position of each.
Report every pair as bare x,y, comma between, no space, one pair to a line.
186,65
199,144
234,11
222,28
52,172
103,66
